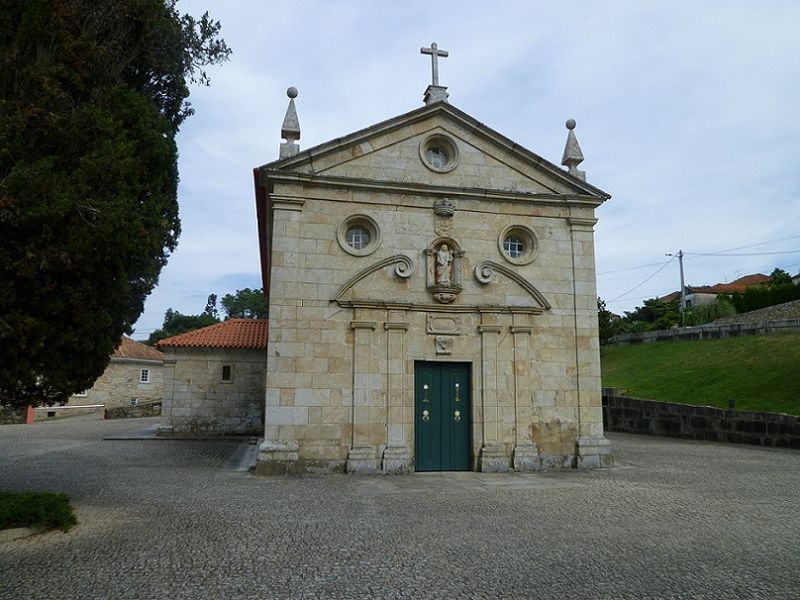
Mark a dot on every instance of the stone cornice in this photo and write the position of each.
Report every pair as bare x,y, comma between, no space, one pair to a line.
287,203
521,328
581,224
445,308
435,191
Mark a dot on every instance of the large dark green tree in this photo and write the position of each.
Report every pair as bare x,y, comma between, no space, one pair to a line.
245,304
92,94
608,323
176,322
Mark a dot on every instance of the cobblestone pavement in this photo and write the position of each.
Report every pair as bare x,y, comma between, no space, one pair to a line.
174,519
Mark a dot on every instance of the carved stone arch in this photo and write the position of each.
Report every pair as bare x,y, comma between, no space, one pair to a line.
485,270
444,239
404,268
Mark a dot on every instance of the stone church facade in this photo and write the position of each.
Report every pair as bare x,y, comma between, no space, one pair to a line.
432,301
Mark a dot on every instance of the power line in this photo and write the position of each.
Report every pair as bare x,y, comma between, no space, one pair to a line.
717,253
643,282
793,237
630,268
743,253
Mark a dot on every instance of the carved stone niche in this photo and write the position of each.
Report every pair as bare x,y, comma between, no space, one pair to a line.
444,279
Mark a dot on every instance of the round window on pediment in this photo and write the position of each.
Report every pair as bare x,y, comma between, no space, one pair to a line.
358,235
518,244
439,153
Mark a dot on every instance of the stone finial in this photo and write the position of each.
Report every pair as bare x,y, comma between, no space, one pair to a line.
290,130
572,153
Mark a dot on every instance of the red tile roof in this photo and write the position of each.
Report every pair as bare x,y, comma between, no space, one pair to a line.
233,333
671,296
737,286
129,348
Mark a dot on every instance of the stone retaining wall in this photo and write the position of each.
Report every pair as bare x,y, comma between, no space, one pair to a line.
709,332
10,416
634,415
151,409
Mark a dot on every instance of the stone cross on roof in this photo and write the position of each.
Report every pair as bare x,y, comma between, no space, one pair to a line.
435,92
435,54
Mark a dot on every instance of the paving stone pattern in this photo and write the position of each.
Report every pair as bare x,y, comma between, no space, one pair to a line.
174,519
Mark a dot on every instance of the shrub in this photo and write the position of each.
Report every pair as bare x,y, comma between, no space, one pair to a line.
706,313
36,509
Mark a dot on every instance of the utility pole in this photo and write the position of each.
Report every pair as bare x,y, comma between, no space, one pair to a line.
683,287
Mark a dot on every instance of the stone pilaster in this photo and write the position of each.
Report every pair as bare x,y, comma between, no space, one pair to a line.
361,458
525,455
493,457
592,449
396,455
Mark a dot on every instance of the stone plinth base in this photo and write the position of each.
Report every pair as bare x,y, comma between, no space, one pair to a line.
526,457
278,458
361,461
165,430
396,460
594,452
556,462
494,460
435,93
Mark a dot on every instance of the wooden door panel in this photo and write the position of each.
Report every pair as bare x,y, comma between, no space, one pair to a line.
442,416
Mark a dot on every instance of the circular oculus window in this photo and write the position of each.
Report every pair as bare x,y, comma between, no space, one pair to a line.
439,153
358,235
518,244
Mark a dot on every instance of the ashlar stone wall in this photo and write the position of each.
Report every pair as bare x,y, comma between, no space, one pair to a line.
346,329
121,382
198,402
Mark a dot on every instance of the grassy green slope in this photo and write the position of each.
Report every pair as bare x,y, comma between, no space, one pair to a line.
760,373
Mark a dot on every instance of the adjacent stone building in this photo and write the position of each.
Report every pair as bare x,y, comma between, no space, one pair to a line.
214,379
432,300
135,375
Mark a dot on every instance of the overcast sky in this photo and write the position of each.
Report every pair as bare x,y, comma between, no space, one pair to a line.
687,115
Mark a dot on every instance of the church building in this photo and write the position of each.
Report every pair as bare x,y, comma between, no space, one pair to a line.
432,300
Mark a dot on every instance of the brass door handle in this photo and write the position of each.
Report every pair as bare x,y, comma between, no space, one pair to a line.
426,415
457,415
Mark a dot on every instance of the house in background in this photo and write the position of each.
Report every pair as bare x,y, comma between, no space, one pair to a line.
135,375
706,294
214,379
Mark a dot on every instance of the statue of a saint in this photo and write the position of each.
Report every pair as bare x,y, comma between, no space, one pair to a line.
444,260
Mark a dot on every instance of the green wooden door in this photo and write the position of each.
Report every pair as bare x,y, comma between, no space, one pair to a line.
442,440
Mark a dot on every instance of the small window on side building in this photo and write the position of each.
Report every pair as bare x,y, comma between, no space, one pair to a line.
144,376
227,373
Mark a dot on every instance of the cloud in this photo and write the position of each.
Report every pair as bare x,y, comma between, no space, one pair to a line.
686,115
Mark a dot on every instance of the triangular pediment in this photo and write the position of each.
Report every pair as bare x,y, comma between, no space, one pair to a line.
394,151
